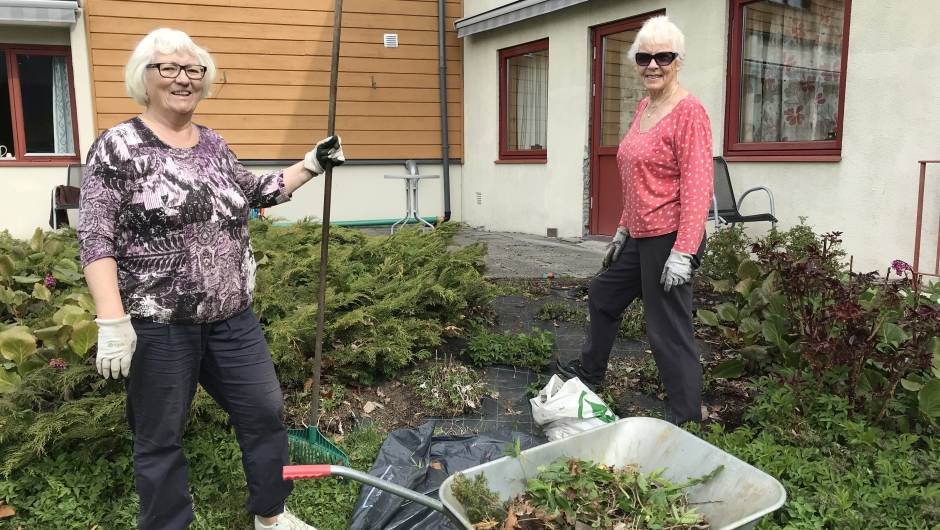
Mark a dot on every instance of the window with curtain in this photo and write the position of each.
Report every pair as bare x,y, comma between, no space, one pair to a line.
524,102
37,115
788,79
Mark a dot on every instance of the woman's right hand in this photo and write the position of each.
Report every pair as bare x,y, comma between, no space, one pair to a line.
616,246
117,341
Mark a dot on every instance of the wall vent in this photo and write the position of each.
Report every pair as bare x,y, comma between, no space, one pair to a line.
479,198
391,40
551,232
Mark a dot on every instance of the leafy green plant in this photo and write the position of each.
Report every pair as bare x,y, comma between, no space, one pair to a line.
838,473
46,311
480,502
448,387
616,495
332,397
633,325
725,249
559,311
536,386
390,300
532,350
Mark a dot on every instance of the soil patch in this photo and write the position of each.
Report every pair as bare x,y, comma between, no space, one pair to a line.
634,385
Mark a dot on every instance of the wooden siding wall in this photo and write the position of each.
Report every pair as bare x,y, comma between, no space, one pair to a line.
274,57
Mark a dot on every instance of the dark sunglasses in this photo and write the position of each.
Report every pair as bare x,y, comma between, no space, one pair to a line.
661,58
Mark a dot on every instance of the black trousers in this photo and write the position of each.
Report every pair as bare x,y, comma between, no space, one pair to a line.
668,320
231,360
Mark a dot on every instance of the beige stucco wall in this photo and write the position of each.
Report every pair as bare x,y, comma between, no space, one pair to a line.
359,192
531,198
870,195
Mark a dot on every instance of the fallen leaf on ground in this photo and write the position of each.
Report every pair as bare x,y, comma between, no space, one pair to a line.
94,527
338,439
371,405
379,392
510,523
308,383
6,511
717,408
486,525
435,465
661,396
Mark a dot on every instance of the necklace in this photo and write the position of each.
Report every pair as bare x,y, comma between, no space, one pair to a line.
656,106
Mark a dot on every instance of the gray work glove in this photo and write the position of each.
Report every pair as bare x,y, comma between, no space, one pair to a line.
616,246
327,150
678,270
117,341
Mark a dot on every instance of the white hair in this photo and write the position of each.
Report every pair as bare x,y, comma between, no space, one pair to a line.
658,30
167,41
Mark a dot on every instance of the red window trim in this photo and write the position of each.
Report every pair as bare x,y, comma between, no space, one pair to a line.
775,151
516,155
8,53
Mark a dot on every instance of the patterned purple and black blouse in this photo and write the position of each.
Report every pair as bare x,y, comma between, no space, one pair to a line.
176,222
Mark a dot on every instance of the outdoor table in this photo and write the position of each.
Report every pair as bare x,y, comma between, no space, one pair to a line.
411,198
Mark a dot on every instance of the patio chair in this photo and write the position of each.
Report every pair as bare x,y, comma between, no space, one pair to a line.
65,196
724,203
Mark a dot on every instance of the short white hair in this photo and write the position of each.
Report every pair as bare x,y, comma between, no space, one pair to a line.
658,30
167,41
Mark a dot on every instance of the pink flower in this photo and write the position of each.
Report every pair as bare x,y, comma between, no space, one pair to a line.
50,281
900,267
58,364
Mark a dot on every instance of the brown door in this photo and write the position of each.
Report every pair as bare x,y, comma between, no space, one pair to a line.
616,92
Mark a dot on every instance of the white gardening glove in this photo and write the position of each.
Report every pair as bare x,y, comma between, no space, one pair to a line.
616,246
117,341
327,150
678,270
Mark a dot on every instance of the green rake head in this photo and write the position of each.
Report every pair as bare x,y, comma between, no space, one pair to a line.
308,446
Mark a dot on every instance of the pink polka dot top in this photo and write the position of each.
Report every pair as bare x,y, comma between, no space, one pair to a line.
667,175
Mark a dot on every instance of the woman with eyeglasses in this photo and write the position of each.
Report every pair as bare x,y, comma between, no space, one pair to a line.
163,236
665,163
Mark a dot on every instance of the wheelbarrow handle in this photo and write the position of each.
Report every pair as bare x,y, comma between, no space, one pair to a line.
320,471
302,472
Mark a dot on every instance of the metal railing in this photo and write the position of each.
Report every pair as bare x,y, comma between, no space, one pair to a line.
920,215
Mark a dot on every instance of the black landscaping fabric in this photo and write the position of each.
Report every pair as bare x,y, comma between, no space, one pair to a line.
410,458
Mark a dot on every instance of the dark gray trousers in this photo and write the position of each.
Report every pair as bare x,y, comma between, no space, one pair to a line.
231,360
668,320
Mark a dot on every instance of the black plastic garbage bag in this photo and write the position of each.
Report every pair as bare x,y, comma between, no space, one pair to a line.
409,458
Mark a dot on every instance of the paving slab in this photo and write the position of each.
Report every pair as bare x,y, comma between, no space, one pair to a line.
517,255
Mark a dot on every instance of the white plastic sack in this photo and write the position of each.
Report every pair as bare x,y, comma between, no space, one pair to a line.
566,408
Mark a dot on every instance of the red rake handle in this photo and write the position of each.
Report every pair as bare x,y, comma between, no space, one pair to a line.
322,470
302,472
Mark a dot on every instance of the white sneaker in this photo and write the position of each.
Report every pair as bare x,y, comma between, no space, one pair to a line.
285,521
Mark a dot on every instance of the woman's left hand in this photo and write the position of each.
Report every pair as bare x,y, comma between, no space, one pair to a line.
329,150
678,270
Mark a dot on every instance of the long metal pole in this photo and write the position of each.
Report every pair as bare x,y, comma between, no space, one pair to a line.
920,213
445,145
325,239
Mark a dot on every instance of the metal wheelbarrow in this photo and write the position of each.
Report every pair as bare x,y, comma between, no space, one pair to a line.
734,499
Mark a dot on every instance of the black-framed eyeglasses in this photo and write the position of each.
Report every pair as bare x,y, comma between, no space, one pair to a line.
661,58
171,70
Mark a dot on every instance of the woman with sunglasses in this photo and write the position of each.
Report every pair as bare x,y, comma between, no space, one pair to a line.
665,163
163,236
